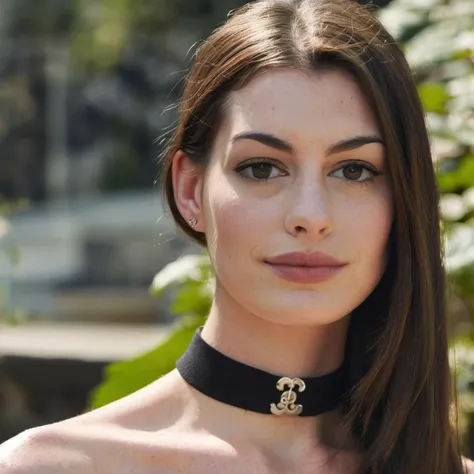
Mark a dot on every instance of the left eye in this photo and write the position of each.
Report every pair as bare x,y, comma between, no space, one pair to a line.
354,172
260,171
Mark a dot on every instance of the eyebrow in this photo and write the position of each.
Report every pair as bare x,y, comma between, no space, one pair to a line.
282,145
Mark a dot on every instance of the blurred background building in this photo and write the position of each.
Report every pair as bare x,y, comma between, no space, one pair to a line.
86,92
86,95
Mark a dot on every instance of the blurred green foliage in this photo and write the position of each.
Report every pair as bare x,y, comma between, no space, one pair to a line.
191,278
102,29
123,378
438,38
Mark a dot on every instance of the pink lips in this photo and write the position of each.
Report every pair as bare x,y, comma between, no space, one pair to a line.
301,267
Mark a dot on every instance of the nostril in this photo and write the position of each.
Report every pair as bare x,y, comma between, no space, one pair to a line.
299,229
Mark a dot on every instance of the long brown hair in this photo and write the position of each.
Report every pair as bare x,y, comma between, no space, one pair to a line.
397,348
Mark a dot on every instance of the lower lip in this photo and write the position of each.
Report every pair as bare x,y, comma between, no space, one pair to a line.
301,274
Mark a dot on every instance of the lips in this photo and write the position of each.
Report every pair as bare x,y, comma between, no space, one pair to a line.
306,268
303,259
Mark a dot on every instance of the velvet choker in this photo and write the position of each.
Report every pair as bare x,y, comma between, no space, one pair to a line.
234,383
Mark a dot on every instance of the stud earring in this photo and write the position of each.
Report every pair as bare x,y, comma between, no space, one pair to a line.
192,222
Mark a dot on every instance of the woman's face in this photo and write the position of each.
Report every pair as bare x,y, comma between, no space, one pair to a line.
297,166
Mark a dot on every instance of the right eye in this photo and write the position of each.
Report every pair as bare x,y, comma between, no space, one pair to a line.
260,170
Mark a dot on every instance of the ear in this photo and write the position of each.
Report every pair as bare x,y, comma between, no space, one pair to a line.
187,186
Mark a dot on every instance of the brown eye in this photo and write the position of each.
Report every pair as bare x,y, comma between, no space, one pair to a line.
356,173
353,172
260,171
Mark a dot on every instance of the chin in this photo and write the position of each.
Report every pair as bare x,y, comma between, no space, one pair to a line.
312,312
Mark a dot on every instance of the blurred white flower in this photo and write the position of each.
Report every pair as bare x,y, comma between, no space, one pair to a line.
443,148
187,267
461,359
466,40
459,247
452,207
468,198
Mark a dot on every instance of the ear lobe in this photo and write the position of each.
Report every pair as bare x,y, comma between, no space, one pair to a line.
187,186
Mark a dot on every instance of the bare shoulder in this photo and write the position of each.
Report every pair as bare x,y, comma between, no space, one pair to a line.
43,451
468,465
102,441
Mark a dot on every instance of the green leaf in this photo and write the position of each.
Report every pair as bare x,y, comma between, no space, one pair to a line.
462,54
125,377
193,298
434,97
460,179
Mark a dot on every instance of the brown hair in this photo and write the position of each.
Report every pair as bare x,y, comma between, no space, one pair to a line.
397,346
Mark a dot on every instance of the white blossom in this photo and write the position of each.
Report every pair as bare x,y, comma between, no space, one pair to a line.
182,269
452,207
459,247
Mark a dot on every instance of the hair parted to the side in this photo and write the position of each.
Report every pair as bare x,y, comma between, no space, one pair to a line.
397,344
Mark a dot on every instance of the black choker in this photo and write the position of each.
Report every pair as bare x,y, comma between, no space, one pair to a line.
234,383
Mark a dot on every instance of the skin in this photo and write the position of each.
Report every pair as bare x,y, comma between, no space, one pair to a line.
313,201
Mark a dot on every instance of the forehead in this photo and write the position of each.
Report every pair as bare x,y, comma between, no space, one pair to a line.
325,106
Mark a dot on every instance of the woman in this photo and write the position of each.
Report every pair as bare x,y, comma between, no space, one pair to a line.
301,162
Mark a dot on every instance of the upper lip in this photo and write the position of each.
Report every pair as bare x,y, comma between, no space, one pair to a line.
305,259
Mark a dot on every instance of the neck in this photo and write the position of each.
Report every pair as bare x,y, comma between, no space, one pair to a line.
287,438
296,351
281,350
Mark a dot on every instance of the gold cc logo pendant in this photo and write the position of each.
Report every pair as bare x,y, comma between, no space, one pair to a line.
287,404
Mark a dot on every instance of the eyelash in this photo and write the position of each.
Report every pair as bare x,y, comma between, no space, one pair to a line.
358,163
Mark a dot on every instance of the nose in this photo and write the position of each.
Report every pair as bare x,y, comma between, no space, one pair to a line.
309,215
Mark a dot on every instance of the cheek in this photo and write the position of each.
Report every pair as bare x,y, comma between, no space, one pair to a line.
368,228
230,220
233,216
